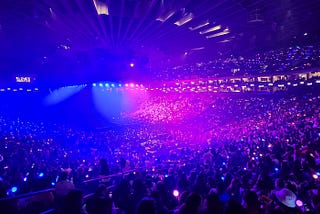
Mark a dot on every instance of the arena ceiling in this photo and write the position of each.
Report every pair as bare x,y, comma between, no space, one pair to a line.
94,39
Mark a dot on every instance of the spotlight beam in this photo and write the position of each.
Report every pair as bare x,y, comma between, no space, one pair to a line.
76,28
137,29
120,19
129,26
64,26
111,26
90,21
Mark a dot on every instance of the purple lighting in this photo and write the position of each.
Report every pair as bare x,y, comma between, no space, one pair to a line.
131,64
175,193
299,203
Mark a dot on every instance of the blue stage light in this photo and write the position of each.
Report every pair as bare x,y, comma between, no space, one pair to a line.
62,94
107,85
41,174
53,183
100,84
112,85
94,84
14,189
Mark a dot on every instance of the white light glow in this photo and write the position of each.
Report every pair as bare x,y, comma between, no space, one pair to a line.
199,26
187,18
198,49
166,16
224,32
101,7
215,28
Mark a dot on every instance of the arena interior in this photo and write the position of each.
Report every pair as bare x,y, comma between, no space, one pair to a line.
159,106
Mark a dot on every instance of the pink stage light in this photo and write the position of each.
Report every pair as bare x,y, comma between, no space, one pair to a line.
299,203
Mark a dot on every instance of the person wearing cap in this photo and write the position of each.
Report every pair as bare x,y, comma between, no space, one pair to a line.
286,202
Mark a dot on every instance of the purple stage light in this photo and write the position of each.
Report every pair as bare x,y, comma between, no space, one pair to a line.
175,193
131,64
299,203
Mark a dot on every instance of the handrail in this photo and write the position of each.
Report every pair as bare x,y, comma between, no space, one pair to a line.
26,195
48,211
52,190
91,194
122,173
110,176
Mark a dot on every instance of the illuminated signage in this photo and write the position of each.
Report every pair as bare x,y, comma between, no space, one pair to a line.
23,79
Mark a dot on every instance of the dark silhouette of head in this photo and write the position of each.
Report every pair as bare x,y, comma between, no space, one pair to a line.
146,206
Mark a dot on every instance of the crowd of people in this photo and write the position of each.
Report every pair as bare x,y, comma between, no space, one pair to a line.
168,108
295,58
237,154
